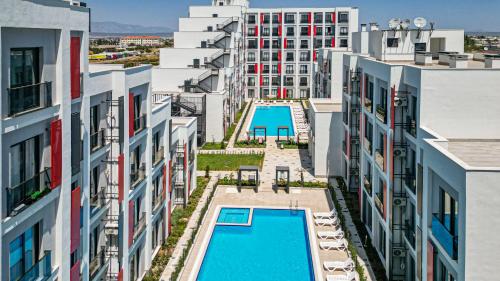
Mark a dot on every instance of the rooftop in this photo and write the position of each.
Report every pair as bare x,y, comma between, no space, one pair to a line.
325,105
476,152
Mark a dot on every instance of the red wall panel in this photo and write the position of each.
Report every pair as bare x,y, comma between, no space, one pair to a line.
74,273
55,153
75,219
334,18
131,130
75,67
333,42
284,93
285,45
257,30
279,93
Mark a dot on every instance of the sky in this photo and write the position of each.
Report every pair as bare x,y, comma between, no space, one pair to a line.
471,15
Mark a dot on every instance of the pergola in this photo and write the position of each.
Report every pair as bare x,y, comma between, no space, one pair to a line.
284,128
252,178
260,128
280,170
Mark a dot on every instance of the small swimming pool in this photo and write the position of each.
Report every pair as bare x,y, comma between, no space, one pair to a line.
274,247
233,216
272,117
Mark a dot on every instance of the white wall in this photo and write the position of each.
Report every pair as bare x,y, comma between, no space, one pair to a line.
169,79
193,39
183,58
221,11
215,117
199,24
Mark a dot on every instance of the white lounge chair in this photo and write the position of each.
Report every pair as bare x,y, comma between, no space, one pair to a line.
327,222
347,265
325,215
339,245
337,234
349,276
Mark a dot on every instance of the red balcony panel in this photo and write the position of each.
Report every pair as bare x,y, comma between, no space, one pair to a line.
285,45
75,67
280,18
279,68
257,30
55,153
74,272
131,130
170,176
280,30
279,93
334,17
309,17
121,177
256,67
284,93
164,181
261,43
333,42
261,67
315,55
261,18
120,275
261,80
131,205
75,219
279,55
315,30
430,261
309,30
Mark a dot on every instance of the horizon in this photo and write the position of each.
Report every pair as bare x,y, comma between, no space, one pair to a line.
157,13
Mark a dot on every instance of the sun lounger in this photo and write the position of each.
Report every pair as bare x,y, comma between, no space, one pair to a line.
349,276
337,234
327,222
325,215
338,245
347,265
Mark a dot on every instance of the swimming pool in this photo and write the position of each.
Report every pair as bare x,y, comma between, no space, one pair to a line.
274,247
233,216
272,117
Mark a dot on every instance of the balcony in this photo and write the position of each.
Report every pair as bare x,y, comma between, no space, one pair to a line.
28,192
381,113
447,240
410,180
192,156
29,98
137,176
411,126
97,263
97,140
368,104
410,234
157,200
179,194
41,270
379,158
379,203
139,226
140,123
368,145
98,199
367,183
158,155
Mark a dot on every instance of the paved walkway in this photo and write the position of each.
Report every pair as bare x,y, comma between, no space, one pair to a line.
191,226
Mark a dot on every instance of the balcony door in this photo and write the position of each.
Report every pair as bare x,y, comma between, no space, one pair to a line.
24,165
24,72
23,254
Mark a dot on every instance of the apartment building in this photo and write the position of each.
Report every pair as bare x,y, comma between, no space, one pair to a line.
151,41
87,153
204,71
421,137
282,46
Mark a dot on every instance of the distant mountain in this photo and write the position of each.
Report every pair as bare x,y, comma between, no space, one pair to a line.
109,27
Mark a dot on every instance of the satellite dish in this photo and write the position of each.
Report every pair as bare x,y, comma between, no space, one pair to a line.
394,23
420,22
405,24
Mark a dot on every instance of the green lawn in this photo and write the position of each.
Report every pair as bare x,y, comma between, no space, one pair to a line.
228,162
214,146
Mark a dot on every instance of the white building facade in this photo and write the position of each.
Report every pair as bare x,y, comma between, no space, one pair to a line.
87,153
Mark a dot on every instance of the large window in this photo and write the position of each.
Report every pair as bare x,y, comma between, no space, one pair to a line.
381,241
23,253
448,212
24,67
251,57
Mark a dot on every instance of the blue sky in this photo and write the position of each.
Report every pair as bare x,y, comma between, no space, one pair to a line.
471,15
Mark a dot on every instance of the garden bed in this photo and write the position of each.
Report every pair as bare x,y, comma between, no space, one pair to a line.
228,162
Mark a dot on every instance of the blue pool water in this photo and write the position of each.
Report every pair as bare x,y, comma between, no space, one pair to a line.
272,117
275,247
233,215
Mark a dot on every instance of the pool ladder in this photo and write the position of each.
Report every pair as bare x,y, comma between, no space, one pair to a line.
296,205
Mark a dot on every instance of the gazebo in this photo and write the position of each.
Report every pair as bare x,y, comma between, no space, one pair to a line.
280,172
283,128
253,179
260,128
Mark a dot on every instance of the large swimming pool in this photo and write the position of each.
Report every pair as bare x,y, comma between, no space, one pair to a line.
272,117
274,247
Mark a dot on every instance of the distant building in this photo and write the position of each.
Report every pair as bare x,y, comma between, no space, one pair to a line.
140,40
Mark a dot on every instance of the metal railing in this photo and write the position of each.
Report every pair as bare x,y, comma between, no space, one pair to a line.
158,155
97,263
140,123
97,140
179,195
137,176
28,192
368,145
27,98
410,234
381,113
368,104
367,183
157,200
139,225
378,203
41,270
411,126
97,200
379,158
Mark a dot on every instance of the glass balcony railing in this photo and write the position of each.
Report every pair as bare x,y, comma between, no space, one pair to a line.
157,200
28,192
97,140
140,123
137,176
411,126
97,200
158,155
367,183
410,180
97,263
41,270
28,98
410,234
447,240
139,226
368,145
379,203
368,104
381,113
379,158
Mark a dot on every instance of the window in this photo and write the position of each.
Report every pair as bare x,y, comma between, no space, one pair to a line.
303,69
94,186
392,42
251,69
304,18
252,44
330,31
304,56
319,30
251,31
265,81
344,30
383,98
290,31
266,44
265,93
290,56
318,43
343,18
265,56
265,69
251,57
289,81
448,212
276,44
290,44
289,69
318,17
344,43
24,67
24,252
251,93
276,81
275,31
303,81
304,44
304,31
210,28
215,15
265,31
304,93
289,18
196,63
266,18
251,19
275,68
367,212
276,18
251,81
381,241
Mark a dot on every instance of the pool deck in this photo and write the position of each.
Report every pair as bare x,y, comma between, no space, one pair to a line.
317,200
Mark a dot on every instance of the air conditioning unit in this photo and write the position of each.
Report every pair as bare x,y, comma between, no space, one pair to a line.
400,101
399,252
399,201
400,152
